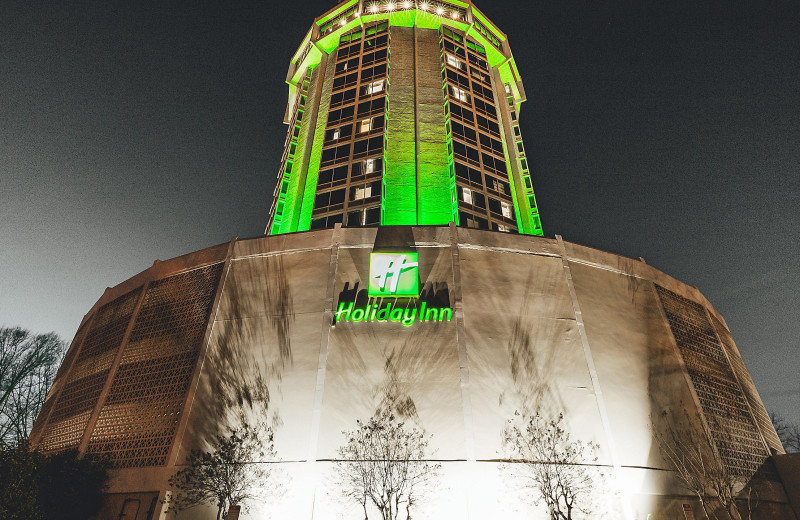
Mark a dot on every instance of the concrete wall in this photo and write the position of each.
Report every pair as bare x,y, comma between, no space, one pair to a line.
539,324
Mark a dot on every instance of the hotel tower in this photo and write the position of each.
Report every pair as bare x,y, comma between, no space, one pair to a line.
404,271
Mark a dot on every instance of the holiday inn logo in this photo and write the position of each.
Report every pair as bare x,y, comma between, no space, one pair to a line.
393,275
393,292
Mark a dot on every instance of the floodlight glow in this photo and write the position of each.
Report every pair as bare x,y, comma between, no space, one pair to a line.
440,11
343,22
390,7
424,6
406,5
373,8
455,15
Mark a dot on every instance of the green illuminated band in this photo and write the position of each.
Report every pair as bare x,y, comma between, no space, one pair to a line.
377,312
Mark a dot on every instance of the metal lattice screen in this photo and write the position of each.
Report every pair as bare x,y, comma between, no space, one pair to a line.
760,413
725,406
139,418
86,379
58,382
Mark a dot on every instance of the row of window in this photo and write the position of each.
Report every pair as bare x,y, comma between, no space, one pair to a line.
330,200
359,171
365,108
364,126
348,64
370,216
362,148
368,74
349,96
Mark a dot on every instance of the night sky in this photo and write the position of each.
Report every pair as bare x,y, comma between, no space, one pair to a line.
131,131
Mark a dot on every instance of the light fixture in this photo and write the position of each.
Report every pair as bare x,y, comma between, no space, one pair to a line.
424,6
373,8
390,6
455,15
406,4
343,22
439,11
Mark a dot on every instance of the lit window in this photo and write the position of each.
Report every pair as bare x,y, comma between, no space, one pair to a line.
508,88
454,62
467,194
363,192
460,94
369,165
374,87
506,209
365,126
503,227
337,133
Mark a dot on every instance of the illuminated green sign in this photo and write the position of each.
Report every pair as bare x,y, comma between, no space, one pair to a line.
393,275
386,312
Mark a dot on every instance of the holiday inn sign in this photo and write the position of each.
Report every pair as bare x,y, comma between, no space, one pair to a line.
395,276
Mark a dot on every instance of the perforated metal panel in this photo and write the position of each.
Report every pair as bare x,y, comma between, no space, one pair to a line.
724,404
59,381
86,378
138,420
757,407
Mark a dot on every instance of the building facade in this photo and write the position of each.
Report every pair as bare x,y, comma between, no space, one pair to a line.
404,263
404,113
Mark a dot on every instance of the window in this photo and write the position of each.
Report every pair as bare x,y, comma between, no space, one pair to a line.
361,192
459,94
454,62
467,195
374,87
365,126
506,209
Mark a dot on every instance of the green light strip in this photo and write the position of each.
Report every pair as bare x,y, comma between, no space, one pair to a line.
289,195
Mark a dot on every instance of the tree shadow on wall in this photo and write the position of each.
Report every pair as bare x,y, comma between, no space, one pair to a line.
532,366
248,353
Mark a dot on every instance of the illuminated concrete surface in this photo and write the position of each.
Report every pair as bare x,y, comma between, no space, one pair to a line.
539,323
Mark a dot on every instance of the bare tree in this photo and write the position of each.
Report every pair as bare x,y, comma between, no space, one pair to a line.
551,464
28,365
383,463
229,474
690,452
788,433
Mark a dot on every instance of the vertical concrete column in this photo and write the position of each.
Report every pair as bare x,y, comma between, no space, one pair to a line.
463,356
399,204
435,195
587,351
322,363
87,433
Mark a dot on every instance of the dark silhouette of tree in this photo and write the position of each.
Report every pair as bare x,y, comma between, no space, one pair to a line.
28,365
61,486
788,433
549,463
383,464
230,473
690,452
